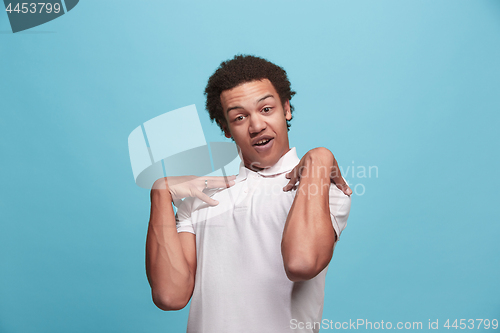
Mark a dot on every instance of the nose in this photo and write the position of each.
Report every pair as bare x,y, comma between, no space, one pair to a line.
257,124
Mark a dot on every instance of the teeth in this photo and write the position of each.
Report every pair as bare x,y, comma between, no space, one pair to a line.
262,141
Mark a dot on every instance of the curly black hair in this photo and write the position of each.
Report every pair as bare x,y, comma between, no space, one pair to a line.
242,69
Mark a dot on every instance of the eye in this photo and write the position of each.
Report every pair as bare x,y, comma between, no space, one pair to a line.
238,118
267,109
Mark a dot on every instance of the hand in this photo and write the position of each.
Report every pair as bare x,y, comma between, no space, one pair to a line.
325,156
192,186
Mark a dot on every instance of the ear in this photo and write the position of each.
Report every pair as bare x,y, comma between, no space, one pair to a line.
288,112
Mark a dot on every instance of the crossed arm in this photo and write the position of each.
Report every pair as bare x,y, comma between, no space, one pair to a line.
308,236
170,256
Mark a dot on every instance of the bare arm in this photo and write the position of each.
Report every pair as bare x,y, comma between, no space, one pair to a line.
308,236
170,256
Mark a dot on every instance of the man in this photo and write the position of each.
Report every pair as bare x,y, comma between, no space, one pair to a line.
251,251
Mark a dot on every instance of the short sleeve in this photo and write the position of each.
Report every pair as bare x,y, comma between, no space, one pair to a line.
340,206
183,220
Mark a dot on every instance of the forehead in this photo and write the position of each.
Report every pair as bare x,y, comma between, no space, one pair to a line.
247,93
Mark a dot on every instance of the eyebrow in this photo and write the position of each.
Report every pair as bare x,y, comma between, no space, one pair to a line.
260,100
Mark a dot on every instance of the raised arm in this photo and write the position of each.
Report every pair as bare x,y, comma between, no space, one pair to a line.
308,236
171,256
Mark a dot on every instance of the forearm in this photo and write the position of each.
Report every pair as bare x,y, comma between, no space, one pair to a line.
308,236
168,271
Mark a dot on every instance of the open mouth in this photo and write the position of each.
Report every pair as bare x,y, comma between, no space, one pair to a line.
262,142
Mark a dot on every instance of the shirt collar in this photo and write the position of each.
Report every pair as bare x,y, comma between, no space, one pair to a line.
286,163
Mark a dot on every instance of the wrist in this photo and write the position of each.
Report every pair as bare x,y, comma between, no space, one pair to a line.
161,195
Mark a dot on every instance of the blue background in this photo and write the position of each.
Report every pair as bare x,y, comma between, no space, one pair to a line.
410,87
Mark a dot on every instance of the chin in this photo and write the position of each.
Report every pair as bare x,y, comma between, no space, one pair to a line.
267,163
262,162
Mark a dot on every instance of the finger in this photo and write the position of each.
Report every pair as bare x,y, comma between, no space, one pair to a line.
294,178
203,197
289,186
232,177
344,188
342,185
292,175
219,182
227,181
338,180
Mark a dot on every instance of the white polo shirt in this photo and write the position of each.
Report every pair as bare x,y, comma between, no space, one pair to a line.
240,283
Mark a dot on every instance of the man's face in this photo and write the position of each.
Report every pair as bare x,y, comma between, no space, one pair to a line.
254,112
